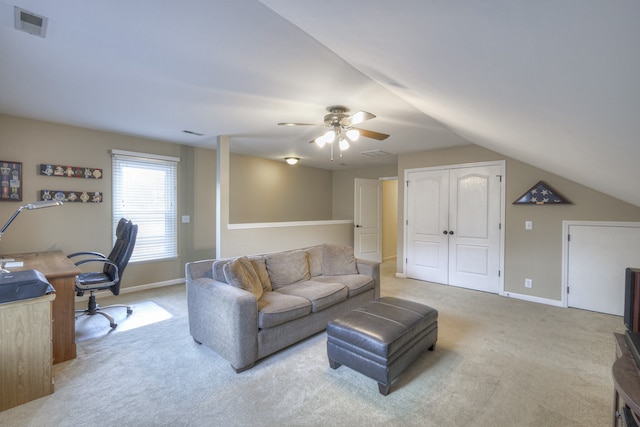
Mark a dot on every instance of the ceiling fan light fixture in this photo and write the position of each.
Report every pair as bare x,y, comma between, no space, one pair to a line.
292,160
344,144
329,136
353,135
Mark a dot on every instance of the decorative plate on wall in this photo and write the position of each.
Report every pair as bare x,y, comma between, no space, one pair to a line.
72,196
70,171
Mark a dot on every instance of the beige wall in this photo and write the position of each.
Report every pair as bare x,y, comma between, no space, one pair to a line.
263,191
269,191
535,254
75,226
344,187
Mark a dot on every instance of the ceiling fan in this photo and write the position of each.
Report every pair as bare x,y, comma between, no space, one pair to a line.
341,128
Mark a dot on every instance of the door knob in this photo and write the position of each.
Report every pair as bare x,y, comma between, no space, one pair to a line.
445,232
450,231
358,226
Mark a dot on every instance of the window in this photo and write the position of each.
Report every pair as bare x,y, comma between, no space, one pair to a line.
144,191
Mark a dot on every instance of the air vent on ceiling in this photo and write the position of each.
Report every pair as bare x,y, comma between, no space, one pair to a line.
30,22
374,153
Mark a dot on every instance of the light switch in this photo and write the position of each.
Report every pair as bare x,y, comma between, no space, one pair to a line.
186,219
528,225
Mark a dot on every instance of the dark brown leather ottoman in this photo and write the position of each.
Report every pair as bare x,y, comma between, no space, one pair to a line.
381,339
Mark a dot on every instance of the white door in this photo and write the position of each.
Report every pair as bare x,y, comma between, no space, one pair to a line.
453,226
597,256
367,218
427,256
474,224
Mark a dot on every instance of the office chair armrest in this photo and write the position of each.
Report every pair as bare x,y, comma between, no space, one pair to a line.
101,261
75,254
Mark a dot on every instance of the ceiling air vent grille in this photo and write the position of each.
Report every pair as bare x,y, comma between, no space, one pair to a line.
374,153
30,22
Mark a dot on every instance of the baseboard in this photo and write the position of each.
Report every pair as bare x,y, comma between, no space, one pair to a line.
401,275
530,298
131,289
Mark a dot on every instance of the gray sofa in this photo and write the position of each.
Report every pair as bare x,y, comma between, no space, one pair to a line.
247,308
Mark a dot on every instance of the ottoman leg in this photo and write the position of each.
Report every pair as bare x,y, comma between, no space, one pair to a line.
383,389
333,364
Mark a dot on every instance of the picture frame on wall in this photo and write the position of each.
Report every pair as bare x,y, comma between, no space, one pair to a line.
10,181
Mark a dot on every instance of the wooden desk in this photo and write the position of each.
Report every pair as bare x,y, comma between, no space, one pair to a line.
61,272
25,344
626,379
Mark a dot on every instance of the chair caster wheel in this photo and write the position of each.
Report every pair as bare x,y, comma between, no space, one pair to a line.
129,311
114,325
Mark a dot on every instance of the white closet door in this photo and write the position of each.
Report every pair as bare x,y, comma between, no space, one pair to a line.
474,223
428,226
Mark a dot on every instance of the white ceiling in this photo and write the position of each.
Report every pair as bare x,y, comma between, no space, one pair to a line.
551,83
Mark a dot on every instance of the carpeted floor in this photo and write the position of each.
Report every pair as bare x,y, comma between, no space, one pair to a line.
498,362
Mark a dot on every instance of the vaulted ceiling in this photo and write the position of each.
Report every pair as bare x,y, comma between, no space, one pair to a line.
553,84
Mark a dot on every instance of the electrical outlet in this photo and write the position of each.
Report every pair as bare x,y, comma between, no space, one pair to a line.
528,283
528,225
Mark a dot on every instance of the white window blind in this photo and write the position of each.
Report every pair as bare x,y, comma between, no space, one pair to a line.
145,192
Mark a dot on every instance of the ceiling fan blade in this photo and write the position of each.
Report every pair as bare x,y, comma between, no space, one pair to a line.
296,124
356,118
371,134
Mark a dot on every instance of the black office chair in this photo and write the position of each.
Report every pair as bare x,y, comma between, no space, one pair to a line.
111,274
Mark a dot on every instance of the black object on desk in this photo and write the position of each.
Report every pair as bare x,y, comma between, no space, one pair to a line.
24,284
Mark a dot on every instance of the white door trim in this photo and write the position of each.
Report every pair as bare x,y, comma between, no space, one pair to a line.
503,172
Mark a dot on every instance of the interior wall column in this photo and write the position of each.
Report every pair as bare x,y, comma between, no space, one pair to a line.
222,192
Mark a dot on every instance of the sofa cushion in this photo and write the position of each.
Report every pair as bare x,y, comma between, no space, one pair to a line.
275,308
315,260
241,274
321,295
287,267
260,266
356,283
338,260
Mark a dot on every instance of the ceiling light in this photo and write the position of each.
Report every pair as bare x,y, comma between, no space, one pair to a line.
291,160
344,144
329,136
353,134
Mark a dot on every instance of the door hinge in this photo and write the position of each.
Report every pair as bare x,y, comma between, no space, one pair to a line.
567,290
499,177
407,183
499,273
500,226
568,237
407,222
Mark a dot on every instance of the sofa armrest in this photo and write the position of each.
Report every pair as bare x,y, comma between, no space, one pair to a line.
370,268
199,269
225,319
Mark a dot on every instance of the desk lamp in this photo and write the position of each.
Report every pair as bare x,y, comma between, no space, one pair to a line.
30,207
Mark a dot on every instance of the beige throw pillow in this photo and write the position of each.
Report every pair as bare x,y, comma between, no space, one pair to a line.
241,274
338,260
260,266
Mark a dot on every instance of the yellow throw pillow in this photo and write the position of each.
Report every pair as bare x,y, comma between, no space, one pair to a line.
241,274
